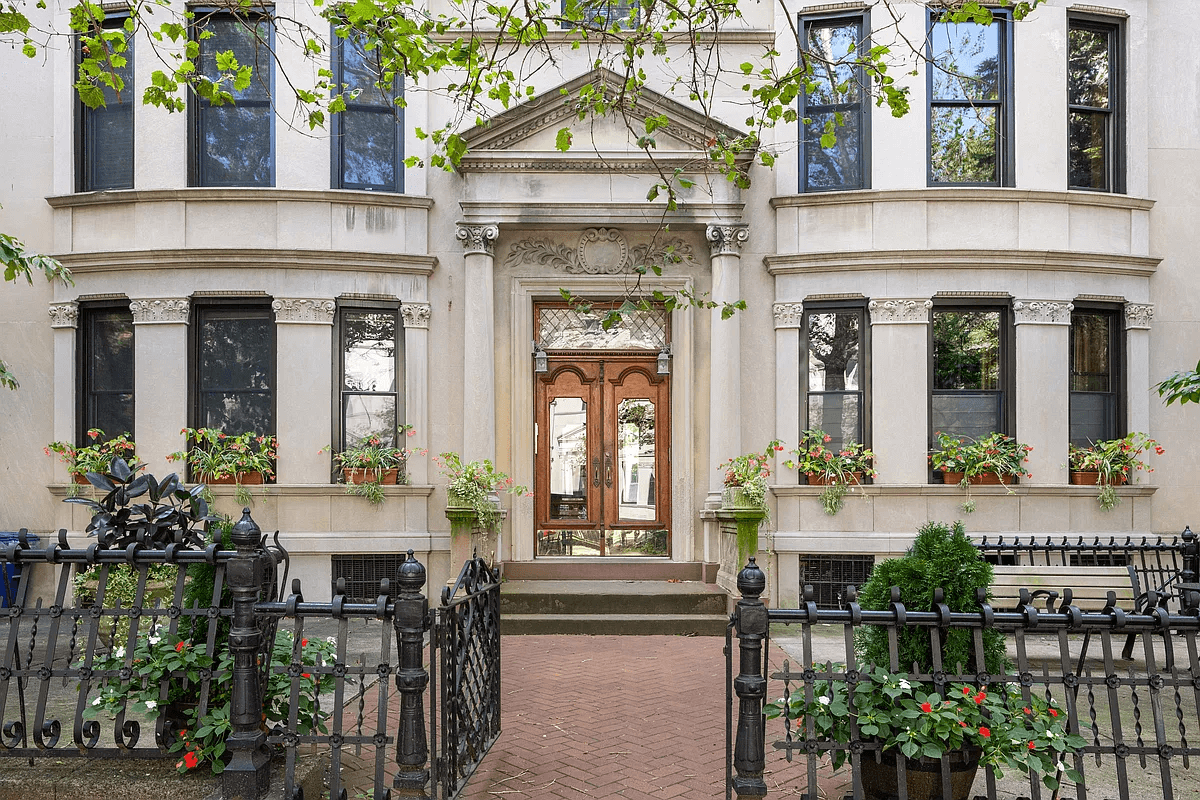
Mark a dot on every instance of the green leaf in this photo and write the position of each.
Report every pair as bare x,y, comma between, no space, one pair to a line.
29,50
563,140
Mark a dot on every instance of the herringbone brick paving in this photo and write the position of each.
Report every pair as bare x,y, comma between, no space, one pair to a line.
637,717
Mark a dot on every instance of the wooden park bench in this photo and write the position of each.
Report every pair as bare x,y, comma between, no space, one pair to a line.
1089,586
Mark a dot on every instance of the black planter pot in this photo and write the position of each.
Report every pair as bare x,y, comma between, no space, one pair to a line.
923,775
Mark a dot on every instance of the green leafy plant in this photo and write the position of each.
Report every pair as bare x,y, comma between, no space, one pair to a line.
994,454
1183,386
470,485
96,457
1115,461
375,455
214,455
749,472
839,469
1012,730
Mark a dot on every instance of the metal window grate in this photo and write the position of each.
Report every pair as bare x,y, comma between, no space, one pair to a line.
363,573
829,575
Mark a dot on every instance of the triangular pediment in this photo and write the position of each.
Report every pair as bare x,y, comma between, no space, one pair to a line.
526,135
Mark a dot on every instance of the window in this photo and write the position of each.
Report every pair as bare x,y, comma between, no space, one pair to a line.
104,135
372,375
833,116
599,14
368,137
833,360
1095,376
969,89
235,368
106,369
234,143
970,379
1094,129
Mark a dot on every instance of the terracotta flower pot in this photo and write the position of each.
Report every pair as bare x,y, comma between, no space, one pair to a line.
386,477
1092,478
985,479
247,479
81,480
821,479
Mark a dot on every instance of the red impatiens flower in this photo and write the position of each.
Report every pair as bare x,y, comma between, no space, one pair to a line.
1053,712
304,642
1032,746
1026,710
985,732
962,724
305,675
179,647
926,707
966,690
190,760
979,698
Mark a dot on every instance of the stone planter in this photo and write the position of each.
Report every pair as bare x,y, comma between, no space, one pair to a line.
734,497
923,776
386,477
746,517
1092,478
986,479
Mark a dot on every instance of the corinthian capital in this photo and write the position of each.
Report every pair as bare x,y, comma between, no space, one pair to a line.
64,315
788,315
304,310
478,238
160,310
1138,316
1042,312
900,311
726,240
416,315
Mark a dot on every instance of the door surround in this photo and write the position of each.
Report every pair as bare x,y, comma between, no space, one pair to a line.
525,291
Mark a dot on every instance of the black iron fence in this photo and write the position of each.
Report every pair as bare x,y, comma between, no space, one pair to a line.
1138,720
155,657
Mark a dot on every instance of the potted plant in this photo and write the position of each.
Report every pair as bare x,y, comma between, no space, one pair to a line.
993,725
215,457
1109,463
837,470
96,457
993,460
470,485
746,478
372,463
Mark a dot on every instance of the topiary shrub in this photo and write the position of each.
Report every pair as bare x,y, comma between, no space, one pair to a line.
941,557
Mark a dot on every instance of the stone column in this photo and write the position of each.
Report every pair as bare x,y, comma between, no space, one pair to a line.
1043,335
304,370
64,320
160,380
416,384
790,385
479,342
900,388
1138,317
724,349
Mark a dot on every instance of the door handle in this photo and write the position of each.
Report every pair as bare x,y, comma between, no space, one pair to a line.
608,468
596,472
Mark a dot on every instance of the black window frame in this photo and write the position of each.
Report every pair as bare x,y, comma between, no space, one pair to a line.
1115,151
338,136
197,105
863,114
864,361
85,418
85,118
204,305
1116,365
339,391
1005,157
617,13
1007,357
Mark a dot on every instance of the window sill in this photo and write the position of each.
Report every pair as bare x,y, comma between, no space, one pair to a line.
358,197
281,490
942,490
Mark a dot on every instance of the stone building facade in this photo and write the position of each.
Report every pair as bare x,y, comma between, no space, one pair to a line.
1054,210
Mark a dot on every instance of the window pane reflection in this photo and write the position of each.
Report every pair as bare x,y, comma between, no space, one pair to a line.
635,435
568,458
624,542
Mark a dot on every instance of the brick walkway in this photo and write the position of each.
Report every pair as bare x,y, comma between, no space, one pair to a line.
639,717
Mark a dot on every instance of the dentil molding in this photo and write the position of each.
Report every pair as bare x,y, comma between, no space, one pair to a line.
788,315
900,311
599,251
478,238
727,240
303,310
1042,312
160,310
416,315
64,315
1138,316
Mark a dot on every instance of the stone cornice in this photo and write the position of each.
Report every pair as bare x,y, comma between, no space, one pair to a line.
478,238
64,315
727,240
962,195
1042,312
1138,316
338,196
184,259
304,310
1054,260
160,310
584,215
582,161
788,315
900,310
416,315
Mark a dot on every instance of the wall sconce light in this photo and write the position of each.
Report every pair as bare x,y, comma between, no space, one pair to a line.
664,360
539,359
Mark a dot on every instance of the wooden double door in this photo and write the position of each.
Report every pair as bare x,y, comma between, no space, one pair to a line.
603,462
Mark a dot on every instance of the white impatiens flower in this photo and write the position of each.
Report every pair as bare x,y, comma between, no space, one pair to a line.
153,640
905,684
119,652
96,702
151,705
823,700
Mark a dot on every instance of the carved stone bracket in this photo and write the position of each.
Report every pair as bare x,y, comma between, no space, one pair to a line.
726,240
160,310
1042,312
478,238
900,311
64,315
303,310
1138,316
788,315
416,315
600,251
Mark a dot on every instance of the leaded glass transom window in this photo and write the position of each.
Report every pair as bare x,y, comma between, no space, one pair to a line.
569,329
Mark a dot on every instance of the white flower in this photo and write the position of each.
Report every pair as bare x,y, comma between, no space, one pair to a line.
153,640
96,702
151,705
905,684
118,653
823,700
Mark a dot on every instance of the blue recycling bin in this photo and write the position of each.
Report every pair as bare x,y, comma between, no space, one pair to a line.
8,578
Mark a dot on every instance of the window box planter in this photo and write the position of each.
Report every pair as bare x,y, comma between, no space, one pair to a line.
1092,478
824,479
983,479
388,477
251,478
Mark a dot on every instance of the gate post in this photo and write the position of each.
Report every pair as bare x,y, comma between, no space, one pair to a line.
411,622
749,757
248,775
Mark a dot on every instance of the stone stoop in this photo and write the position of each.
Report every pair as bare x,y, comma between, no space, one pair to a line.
612,607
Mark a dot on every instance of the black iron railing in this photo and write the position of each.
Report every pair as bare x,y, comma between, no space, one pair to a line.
1139,719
